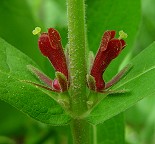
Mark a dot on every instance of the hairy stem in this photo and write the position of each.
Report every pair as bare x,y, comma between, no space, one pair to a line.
80,131
77,62
77,69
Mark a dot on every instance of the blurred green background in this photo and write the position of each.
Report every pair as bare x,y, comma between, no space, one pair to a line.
17,20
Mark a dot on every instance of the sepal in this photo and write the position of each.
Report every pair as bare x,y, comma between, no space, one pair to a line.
91,82
118,76
62,81
40,75
90,60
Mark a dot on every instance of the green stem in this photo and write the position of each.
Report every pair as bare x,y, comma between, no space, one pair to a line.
94,134
77,62
77,69
80,131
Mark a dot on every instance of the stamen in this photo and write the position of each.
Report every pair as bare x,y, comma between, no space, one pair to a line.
122,35
36,31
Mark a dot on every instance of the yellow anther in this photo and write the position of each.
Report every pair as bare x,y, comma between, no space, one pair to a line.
36,31
122,35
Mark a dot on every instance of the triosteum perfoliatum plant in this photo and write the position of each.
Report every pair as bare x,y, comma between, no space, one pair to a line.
51,47
87,89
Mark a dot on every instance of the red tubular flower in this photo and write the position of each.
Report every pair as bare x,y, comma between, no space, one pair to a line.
109,49
50,46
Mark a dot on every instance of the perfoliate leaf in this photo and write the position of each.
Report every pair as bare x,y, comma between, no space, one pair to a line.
28,98
139,81
107,133
116,15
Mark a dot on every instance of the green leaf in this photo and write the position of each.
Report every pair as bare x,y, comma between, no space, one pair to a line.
16,27
146,31
116,15
53,13
12,120
108,132
28,98
144,111
140,82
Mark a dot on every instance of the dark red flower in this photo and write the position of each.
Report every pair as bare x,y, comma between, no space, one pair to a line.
110,48
50,46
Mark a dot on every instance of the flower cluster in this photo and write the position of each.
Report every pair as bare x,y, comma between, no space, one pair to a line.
51,47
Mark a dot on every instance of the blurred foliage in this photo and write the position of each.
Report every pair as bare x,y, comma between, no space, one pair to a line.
18,19
140,119
146,34
5,140
16,26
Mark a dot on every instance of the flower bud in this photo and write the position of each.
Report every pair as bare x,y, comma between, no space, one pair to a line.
56,85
